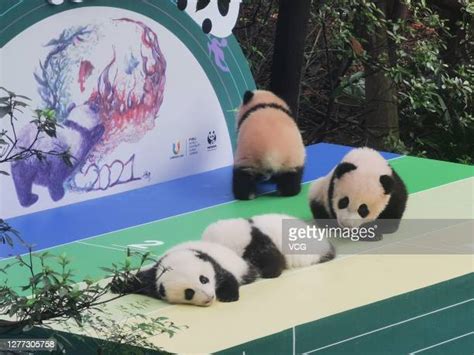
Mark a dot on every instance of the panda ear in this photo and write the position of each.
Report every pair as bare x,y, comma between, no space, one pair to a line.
248,95
201,4
344,168
387,183
182,4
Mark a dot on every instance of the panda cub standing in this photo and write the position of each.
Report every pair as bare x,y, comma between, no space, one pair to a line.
269,145
360,191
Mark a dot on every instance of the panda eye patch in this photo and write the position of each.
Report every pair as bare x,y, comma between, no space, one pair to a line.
204,280
343,203
189,294
363,210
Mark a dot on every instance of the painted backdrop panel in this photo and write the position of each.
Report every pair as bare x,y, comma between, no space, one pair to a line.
135,104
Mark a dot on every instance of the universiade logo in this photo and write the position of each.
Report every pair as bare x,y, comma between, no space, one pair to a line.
176,148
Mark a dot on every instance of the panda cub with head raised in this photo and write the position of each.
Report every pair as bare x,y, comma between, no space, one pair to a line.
269,145
361,190
195,273
259,241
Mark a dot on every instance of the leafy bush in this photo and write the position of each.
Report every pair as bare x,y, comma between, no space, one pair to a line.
427,54
52,296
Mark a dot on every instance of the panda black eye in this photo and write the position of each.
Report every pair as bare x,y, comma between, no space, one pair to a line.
204,280
206,26
343,203
363,210
189,294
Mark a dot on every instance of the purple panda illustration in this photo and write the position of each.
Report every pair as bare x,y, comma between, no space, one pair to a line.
80,133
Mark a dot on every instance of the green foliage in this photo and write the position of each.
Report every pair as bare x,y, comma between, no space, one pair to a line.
45,122
428,55
8,234
435,98
135,330
52,296
10,146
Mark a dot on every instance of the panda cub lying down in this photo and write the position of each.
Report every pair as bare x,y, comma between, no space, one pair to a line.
195,273
233,252
259,239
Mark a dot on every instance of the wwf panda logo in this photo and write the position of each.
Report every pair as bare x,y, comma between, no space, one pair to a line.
216,17
211,137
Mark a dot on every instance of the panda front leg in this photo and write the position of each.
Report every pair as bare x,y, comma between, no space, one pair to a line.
244,184
227,288
289,183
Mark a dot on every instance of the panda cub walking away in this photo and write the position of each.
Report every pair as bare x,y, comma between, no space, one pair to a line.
193,273
259,240
269,145
363,190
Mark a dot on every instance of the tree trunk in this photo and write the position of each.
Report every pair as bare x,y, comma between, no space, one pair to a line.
382,120
288,54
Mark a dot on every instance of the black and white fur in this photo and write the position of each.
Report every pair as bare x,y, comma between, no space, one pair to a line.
215,17
269,146
195,273
361,190
258,240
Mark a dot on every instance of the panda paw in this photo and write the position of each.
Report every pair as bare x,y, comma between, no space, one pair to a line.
230,299
228,290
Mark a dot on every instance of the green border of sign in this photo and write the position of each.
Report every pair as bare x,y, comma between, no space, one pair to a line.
18,15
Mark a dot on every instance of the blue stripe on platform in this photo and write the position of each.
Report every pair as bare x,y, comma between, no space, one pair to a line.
107,214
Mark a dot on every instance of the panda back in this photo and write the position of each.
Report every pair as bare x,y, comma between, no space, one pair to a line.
269,139
234,234
272,226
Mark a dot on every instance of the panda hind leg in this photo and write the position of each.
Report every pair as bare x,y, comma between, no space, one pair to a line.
244,184
289,183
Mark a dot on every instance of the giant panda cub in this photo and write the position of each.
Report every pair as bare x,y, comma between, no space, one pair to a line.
269,145
194,273
258,240
362,190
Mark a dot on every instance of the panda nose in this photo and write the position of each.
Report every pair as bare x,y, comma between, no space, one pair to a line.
209,300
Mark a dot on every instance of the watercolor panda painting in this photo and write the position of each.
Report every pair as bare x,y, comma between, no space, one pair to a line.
269,146
362,190
196,273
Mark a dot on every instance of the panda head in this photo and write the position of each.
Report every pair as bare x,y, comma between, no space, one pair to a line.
187,279
251,99
360,193
217,17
